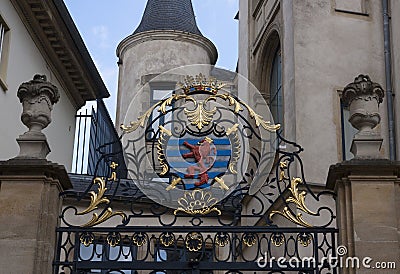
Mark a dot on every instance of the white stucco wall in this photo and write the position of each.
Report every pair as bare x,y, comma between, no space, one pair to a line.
25,60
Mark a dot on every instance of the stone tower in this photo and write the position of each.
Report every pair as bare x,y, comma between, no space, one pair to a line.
166,38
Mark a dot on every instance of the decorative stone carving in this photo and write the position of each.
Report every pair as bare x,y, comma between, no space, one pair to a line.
363,98
37,97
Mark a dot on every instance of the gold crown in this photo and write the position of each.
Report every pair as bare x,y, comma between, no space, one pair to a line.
199,83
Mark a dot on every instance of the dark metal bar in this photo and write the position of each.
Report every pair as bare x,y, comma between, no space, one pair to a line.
178,229
58,251
333,236
316,252
76,249
84,142
342,127
352,12
78,142
140,265
388,76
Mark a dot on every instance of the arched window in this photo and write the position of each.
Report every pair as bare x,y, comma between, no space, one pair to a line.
275,89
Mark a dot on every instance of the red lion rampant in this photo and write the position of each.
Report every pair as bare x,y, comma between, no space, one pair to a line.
203,158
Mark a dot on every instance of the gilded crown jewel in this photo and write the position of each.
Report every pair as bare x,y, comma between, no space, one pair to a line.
201,83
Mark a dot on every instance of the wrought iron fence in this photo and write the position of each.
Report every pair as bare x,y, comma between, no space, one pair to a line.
183,249
94,132
154,239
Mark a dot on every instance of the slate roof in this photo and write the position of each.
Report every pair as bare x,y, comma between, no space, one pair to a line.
127,188
169,15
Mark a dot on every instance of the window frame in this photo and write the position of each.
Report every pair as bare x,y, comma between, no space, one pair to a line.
347,132
160,86
4,51
276,93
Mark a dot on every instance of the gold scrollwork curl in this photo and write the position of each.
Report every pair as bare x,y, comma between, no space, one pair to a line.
297,198
160,150
259,120
97,199
236,148
140,121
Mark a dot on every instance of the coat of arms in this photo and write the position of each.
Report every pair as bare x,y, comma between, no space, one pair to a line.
197,142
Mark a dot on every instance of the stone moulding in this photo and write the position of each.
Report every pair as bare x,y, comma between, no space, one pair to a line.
169,35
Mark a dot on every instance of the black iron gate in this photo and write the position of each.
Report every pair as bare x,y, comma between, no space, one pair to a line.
197,250
118,225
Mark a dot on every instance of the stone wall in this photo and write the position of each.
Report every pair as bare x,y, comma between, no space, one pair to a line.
323,48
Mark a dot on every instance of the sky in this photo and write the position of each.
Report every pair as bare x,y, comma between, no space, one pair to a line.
104,23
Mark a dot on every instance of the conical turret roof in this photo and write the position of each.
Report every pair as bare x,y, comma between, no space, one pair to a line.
169,15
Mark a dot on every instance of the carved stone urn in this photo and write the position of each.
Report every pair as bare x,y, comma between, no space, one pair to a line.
37,97
363,98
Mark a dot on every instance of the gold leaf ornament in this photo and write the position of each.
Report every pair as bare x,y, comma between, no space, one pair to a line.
160,150
141,121
200,116
259,120
97,199
232,101
236,147
168,102
197,201
297,198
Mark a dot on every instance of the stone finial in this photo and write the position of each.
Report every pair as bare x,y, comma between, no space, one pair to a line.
37,97
363,98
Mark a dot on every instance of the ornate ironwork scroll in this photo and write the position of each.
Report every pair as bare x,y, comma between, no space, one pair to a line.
213,134
230,184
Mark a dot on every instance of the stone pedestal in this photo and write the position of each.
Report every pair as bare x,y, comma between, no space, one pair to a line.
367,146
29,210
33,146
368,211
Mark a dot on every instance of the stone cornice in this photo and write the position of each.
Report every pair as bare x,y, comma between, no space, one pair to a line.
17,169
172,35
56,36
355,167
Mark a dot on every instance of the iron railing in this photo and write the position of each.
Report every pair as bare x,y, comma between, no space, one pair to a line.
184,250
96,137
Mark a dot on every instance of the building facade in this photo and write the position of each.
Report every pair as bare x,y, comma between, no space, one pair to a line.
301,55
45,68
317,48
41,38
